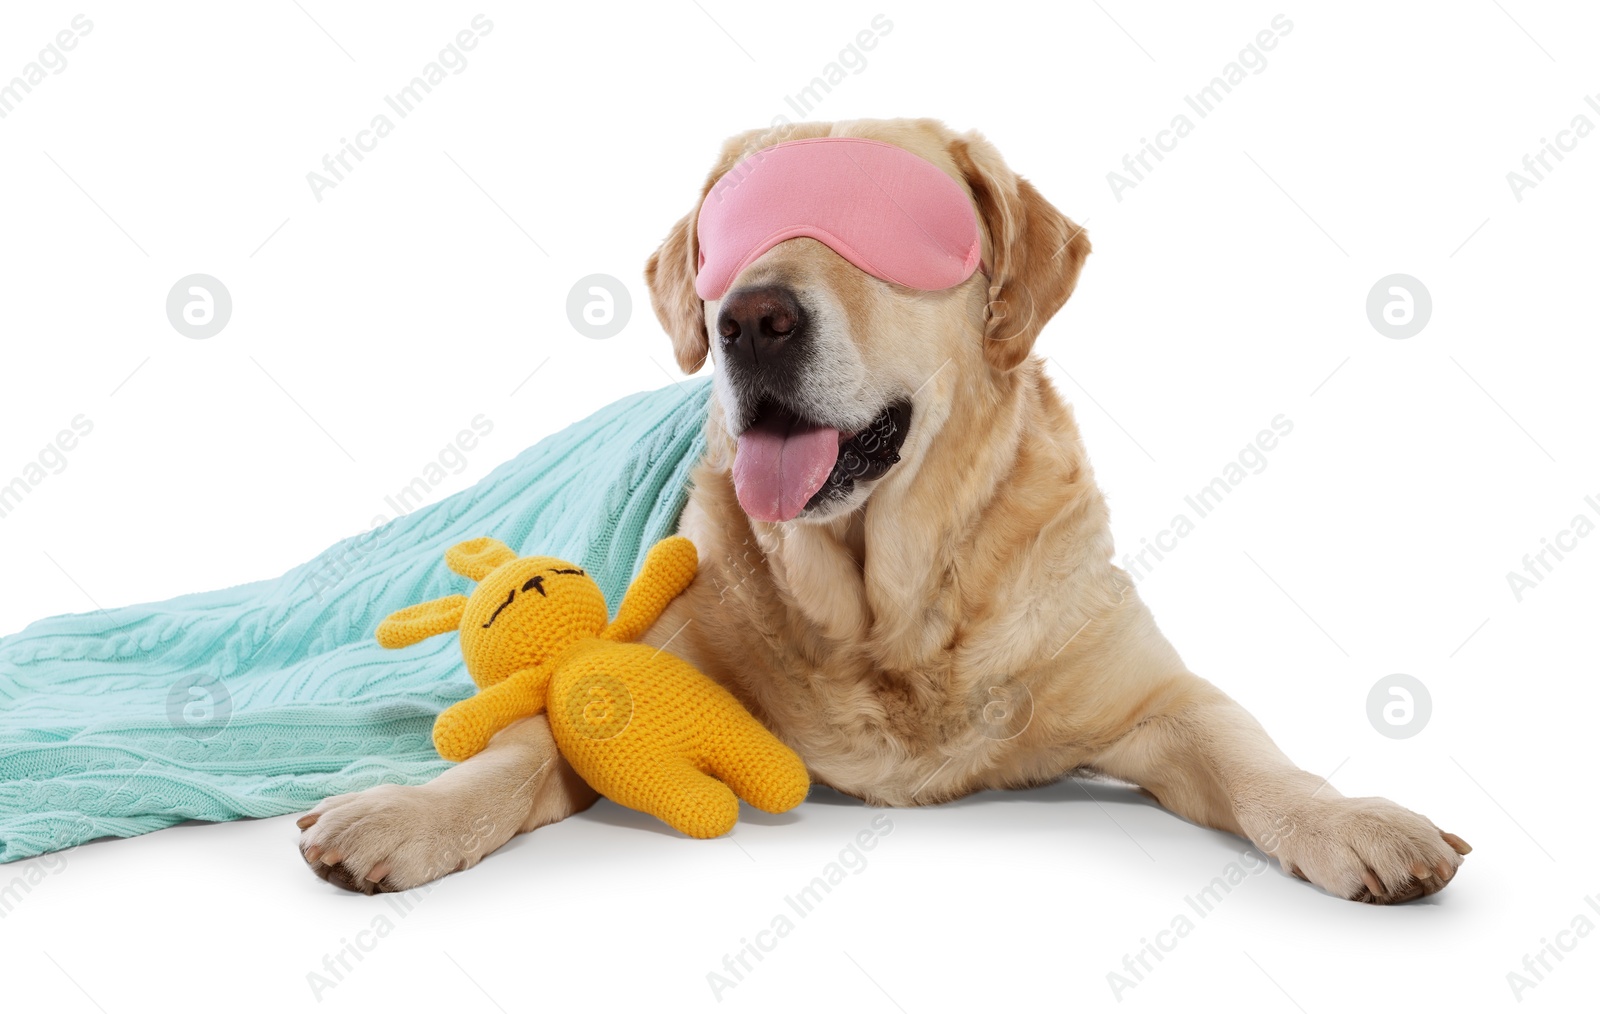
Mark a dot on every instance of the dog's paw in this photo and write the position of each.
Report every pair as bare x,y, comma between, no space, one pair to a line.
391,838
1368,850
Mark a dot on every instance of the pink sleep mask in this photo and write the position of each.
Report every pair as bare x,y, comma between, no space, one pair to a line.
888,212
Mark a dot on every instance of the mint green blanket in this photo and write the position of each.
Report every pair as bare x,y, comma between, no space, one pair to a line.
264,698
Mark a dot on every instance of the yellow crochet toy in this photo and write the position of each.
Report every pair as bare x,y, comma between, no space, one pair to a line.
643,727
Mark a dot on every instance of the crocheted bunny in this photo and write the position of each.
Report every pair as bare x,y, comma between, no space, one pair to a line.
643,727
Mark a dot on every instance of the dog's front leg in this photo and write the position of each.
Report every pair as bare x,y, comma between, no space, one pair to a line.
396,837
1205,758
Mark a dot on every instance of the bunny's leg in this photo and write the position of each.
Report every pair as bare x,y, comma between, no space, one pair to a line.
755,765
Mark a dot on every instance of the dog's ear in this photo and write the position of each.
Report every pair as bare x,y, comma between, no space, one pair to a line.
671,270
670,275
1033,252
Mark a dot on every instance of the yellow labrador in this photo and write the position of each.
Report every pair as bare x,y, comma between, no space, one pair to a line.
931,626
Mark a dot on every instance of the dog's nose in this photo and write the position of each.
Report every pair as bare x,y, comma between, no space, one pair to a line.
760,324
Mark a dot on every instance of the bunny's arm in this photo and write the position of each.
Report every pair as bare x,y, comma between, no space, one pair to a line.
668,569
465,728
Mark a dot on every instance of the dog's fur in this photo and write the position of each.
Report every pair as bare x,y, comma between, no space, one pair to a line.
953,626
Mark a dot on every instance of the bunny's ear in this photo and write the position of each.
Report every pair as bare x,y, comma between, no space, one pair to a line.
475,558
421,621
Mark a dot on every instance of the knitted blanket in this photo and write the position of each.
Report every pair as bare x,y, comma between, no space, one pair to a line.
264,698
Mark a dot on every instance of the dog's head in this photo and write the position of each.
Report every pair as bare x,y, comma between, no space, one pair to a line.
831,380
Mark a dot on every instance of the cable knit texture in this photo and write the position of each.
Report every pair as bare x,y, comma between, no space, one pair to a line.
640,725
265,698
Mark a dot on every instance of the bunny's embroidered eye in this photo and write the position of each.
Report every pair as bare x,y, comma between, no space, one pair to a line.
502,605
566,570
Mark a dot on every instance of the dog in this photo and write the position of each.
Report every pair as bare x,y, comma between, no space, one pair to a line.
941,617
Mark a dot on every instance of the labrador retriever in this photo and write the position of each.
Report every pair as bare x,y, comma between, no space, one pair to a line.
940,617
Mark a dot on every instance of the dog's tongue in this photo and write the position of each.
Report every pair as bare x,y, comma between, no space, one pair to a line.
780,465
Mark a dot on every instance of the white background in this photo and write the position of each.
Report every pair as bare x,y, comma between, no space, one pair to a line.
1226,288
